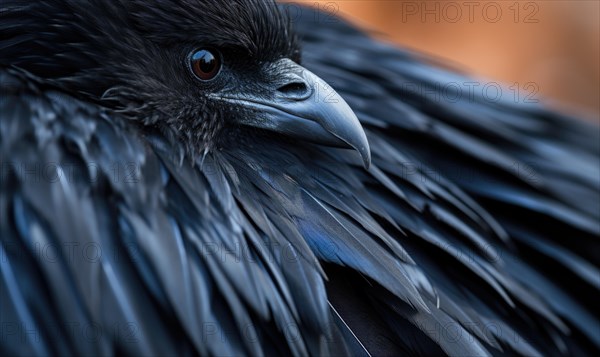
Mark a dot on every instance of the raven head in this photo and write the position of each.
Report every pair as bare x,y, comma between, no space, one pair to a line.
203,69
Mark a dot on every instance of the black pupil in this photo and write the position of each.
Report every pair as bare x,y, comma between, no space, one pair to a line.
205,60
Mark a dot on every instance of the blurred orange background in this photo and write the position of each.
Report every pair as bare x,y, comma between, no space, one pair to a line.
548,47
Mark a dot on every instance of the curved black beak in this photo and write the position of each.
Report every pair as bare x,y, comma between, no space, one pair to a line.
303,106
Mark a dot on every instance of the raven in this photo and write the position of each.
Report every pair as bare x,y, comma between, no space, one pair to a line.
180,177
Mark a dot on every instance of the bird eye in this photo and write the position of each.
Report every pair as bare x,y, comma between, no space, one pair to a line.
205,64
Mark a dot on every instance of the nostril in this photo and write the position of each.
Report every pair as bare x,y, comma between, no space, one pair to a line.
297,90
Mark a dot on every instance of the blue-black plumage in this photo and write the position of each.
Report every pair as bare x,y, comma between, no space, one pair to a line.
175,180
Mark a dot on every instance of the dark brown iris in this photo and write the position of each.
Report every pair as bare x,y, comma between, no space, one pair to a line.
205,64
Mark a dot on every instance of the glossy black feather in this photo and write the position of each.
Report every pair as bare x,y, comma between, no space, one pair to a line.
474,232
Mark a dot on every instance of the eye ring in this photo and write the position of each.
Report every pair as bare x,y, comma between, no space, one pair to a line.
205,63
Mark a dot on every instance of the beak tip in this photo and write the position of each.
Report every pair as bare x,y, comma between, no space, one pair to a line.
365,154
367,160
